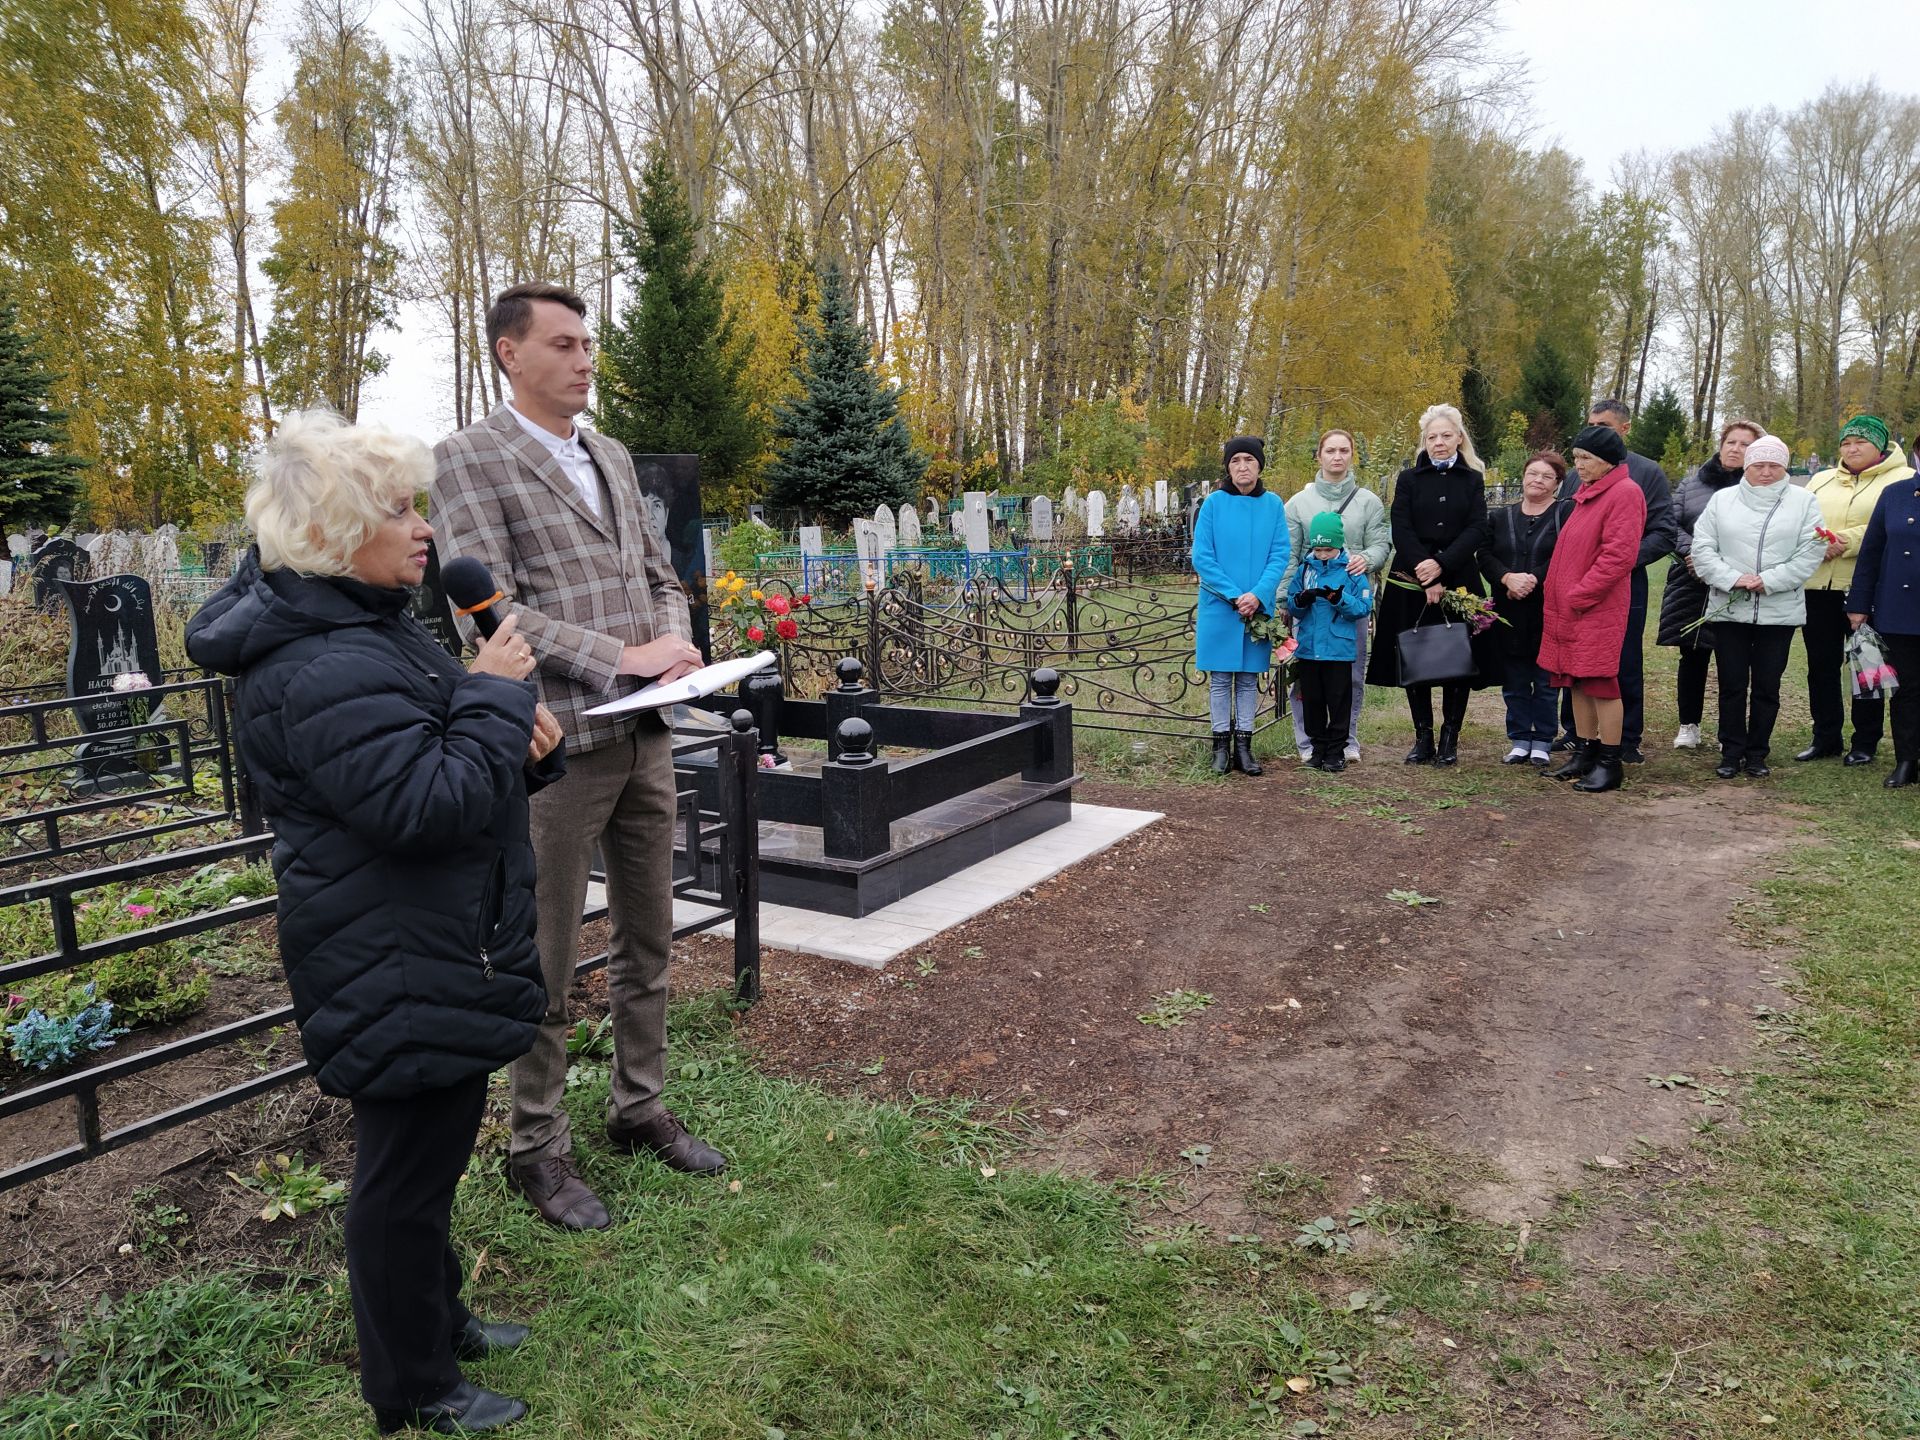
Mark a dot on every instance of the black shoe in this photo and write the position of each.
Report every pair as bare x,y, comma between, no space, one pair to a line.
667,1140
1447,752
1630,755
1757,769
1222,751
1565,742
481,1339
1586,754
1728,767
1606,773
1817,751
1904,772
1422,751
1243,754
1857,757
1335,764
464,1410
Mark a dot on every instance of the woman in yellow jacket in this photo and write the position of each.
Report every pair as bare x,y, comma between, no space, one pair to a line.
1847,493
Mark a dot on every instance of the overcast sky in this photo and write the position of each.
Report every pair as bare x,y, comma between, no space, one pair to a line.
1602,81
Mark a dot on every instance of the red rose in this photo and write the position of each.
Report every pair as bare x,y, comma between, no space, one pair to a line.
804,600
786,629
756,634
777,605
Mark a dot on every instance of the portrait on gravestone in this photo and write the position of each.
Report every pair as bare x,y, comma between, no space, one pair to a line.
56,561
670,494
429,604
113,652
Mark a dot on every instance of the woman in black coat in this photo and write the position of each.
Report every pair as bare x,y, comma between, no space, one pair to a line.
1685,600
396,784
1439,524
1519,547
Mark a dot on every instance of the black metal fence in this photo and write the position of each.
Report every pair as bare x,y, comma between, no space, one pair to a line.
731,895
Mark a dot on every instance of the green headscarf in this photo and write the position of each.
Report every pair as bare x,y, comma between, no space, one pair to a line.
1870,428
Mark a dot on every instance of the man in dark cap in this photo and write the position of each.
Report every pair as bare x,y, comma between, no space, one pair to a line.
1656,542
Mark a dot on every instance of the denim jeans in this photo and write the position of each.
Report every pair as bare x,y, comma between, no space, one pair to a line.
1531,704
1233,699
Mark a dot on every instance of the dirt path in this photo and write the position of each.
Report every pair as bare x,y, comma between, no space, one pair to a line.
1513,1026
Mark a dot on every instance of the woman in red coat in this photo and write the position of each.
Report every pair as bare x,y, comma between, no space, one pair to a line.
1585,618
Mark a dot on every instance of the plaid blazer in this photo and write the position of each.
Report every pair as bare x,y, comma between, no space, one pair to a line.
584,588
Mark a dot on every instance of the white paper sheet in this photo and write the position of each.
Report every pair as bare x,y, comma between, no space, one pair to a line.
706,681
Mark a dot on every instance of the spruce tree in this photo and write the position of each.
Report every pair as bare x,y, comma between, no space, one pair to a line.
39,480
1653,426
843,447
670,368
1550,396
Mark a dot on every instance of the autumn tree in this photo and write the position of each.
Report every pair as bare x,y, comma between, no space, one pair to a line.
332,262
670,366
843,448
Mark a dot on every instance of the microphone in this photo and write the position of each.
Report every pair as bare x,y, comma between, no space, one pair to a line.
471,588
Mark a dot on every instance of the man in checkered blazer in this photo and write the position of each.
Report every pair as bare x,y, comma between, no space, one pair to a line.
553,511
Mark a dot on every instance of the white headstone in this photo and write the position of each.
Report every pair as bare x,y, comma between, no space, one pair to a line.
159,555
117,554
17,545
957,522
1071,501
933,513
6,576
866,543
1042,518
888,526
1127,512
1096,514
96,547
979,532
1160,497
909,528
811,540
706,550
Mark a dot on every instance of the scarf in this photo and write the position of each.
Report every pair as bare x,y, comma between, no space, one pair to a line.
1334,491
1713,473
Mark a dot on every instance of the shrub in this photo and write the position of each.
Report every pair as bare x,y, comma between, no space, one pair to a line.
42,1041
740,545
155,986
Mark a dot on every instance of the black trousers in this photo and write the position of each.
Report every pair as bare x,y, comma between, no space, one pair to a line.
403,1272
1692,685
1826,633
1903,653
1633,672
1751,659
1325,688
1453,704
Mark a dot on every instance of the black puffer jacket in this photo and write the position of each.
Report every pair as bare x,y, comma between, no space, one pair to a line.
395,785
1685,600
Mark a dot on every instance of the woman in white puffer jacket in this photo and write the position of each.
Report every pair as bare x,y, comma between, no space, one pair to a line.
1755,547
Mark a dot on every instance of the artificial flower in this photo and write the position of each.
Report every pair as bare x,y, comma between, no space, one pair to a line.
756,634
787,628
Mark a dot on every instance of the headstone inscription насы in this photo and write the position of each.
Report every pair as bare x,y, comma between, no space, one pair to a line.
113,635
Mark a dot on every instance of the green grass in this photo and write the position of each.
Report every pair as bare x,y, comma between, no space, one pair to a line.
869,1278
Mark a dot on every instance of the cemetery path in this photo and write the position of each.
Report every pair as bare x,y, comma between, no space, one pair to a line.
1500,1040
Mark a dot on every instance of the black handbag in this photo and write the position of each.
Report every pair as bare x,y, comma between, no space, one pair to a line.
1434,654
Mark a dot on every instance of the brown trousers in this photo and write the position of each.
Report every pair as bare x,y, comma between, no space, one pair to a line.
621,795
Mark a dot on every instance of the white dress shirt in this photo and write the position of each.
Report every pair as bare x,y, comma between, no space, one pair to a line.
575,463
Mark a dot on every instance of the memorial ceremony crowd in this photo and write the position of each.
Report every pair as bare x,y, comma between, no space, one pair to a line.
1547,598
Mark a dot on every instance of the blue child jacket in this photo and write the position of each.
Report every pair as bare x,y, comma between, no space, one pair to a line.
1323,630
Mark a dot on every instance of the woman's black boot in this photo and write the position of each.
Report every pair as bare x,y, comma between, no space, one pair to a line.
464,1410
1243,753
1584,756
1422,751
1222,751
1447,752
1606,774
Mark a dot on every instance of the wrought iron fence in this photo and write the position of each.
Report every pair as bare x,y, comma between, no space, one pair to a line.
722,892
1123,651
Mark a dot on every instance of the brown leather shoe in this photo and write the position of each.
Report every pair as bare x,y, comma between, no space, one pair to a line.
559,1194
667,1140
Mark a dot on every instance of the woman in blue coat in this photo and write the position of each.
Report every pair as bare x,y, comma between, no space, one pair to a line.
1886,591
1239,553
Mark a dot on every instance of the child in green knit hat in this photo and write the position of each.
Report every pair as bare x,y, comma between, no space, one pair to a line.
1326,603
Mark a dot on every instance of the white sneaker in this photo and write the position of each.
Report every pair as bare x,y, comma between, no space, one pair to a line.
1688,738
1541,755
1352,753
1306,753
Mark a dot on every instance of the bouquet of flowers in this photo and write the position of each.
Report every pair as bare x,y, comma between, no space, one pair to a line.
1264,628
147,751
1458,603
754,618
1827,536
1873,677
